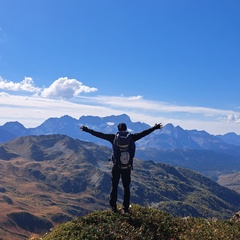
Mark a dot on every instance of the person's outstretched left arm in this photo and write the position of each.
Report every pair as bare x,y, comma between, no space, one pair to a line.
137,136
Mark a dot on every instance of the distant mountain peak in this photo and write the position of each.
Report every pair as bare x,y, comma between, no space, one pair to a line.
168,128
14,124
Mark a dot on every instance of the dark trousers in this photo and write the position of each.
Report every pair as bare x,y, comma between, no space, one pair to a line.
126,180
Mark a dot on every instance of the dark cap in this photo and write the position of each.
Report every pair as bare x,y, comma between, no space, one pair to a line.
122,127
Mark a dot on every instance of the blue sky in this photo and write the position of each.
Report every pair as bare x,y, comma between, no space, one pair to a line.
157,61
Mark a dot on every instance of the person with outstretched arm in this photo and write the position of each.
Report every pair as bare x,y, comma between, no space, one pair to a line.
120,143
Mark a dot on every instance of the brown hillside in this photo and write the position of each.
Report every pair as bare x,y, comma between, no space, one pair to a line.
49,179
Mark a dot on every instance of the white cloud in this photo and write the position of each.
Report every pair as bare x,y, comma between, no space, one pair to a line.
4,94
66,88
137,102
32,111
63,88
51,102
26,85
233,118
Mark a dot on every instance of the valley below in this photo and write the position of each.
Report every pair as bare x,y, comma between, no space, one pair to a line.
51,179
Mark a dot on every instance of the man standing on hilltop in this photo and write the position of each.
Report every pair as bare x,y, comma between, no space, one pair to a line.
123,144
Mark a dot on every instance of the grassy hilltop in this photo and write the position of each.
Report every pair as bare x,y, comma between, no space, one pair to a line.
143,223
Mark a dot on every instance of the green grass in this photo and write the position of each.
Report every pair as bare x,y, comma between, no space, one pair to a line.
143,223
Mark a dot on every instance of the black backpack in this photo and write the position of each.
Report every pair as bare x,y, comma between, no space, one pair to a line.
123,150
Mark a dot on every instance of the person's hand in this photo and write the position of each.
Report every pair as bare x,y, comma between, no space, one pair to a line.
84,128
158,126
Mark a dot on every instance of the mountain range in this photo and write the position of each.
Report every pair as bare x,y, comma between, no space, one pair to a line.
169,137
211,155
50,179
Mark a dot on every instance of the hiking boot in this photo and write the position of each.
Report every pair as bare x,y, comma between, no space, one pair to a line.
114,209
124,211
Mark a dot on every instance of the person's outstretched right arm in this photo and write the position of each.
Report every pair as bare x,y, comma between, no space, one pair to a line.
137,136
106,136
